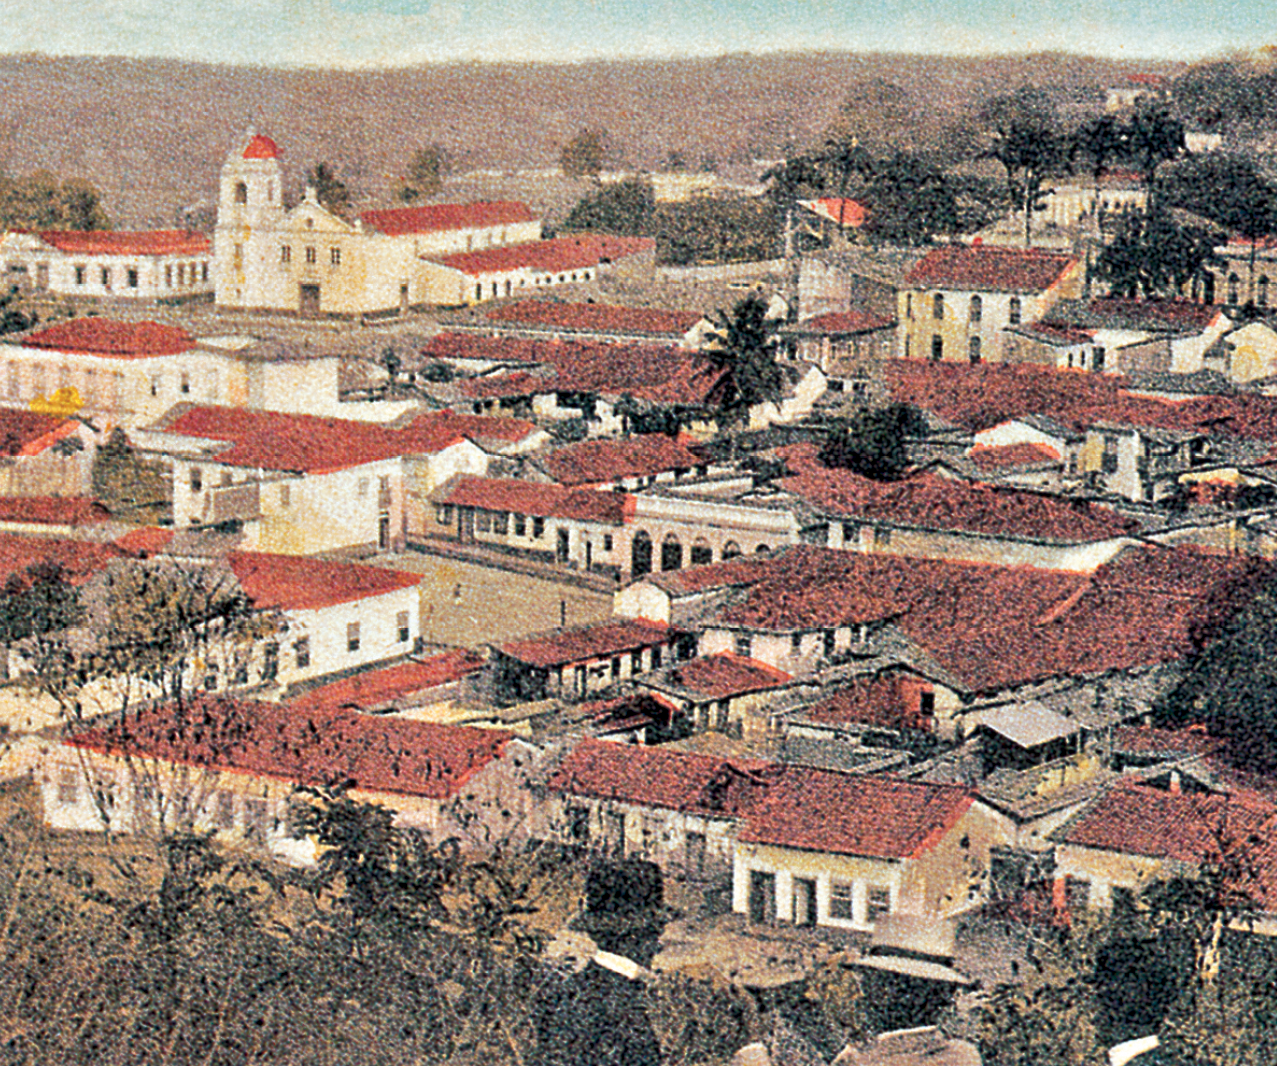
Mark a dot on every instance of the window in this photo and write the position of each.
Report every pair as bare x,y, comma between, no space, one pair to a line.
168,274
828,642
311,254
937,347
483,521
1013,314
973,351
240,674
255,818
285,495
538,528
131,275
79,275
334,256
501,523
184,384
68,786
224,809
105,275
656,658
401,626
155,385
842,901
977,309
744,645
361,487
270,661
908,305
352,636
937,306
181,274
1097,359
1108,461
204,271
795,643
607,542
241,192
285,253
636,662
1233,281
197,479
520,525
878,902
443,514
1261,291
301,649
926,705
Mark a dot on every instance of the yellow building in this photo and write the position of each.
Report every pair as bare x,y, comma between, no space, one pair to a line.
958,299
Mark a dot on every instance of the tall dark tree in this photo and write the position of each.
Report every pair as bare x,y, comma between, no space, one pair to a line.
1152,137
1100,143
875,442
1028,142
583,156
744,347
910,201
1152,255
330,190
627,208
426,171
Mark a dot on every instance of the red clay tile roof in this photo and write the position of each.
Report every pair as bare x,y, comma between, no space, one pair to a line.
1002,456
1052,333
986,269
146,540
1147,740
657,777
888,700
872,816
79,559
1118,312
298,583
309,443
436,218
718,677
928,502
105,336
598,641
53,510
838,209
991,627
594,318
836,323
450,425
594,462
646,372
24,432
261,147
138,243
377,688
551,256
534,498
314,746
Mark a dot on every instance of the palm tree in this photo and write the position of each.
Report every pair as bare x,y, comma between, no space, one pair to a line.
743,346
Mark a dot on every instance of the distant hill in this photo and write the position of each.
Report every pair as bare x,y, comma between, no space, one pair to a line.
152,134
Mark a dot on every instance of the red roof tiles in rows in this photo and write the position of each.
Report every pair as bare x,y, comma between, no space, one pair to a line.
657,777
297,583
936,503
146,540
889,700
313,746
533,498
79,560
105,336
719,677
594,318
449,425
137,243
599,641
839,323
550,256
984,269
592,462
437,218
872,816
1147,740
377,688
53,510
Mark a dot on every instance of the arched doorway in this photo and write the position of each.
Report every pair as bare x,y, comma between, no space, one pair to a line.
671,553
640,554
702,553
731,549
762,549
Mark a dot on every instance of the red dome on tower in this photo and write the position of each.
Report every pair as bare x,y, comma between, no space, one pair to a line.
261,147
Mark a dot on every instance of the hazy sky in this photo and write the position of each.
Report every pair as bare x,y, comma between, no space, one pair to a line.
360,33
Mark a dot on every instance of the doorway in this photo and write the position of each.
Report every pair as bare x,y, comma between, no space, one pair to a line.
762,896
308,304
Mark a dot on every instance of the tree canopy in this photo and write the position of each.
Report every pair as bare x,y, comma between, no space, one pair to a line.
426,171
41,201
627,208
583,156
744,346
874,443
330,190
1152,255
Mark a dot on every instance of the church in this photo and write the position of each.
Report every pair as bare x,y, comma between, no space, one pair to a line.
310,261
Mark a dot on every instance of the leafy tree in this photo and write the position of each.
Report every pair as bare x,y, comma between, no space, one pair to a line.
846,160
1029,144
41,201
426,171
1230,686
876,114
743,346
1152,255
714,230
12,318
627,208
584,154
38,602
122,480
330,190
1100,141
909,201
1152,137
874,443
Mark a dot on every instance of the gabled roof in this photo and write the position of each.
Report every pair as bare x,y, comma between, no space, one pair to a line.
594,318
936,503
550,256
874,700
591,462
106,336
1004,456
717,677
449,425
1112,312
135,243
374,689
24,432
299,583
53,510
839,324
308,746
437,218
658,777
78,559
838,209
599,641
868,815
980,268
534,498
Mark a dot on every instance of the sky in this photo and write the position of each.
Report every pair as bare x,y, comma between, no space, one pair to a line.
373,33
